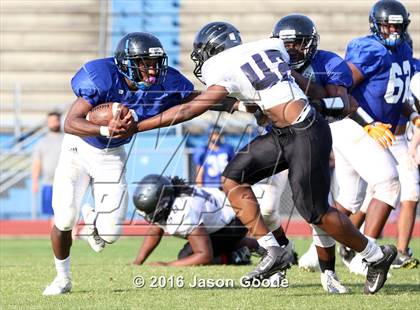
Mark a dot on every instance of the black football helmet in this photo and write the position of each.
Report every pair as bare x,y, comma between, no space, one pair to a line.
131,54
154,196
384,13
298,29
212,39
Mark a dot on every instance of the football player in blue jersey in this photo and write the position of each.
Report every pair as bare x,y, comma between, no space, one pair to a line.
258,72
139,78
326,78
212,159
381,65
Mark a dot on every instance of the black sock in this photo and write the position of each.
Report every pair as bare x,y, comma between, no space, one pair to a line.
283,241
327,265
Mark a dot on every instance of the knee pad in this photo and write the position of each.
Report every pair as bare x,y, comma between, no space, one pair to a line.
388,191
65,218
321,238
352,197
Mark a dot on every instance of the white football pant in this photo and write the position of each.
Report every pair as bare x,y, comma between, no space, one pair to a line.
359,160
79,165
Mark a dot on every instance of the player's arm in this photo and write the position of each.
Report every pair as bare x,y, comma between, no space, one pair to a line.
199,175
36,173
411,114
186,111
150,242
228,104
77,124
311,89
201,246
332,107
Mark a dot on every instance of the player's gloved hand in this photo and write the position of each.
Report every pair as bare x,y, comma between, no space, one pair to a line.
380,133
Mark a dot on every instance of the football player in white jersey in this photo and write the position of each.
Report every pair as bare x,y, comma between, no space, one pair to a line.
200,215
300,140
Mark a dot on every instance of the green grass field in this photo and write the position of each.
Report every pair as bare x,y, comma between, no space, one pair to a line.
104,281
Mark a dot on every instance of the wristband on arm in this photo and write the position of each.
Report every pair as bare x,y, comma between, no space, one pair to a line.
361,117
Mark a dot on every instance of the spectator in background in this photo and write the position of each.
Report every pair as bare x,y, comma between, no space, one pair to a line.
212,159
45,159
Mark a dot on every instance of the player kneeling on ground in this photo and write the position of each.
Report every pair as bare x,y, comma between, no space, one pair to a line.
215,235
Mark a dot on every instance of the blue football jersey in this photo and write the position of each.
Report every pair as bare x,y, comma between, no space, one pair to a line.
386,75
328,68
99,81
213,163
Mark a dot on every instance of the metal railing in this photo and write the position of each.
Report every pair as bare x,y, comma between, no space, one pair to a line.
15,163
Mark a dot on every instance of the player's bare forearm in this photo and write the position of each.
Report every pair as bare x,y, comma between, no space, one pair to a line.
340,91
76,123
81,127
186,111
150,242
199,176
311,89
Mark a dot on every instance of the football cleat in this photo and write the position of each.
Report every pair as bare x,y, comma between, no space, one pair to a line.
346,254
275,259
58,286
331,283
90,234
309,261
89,231
377,271
276,280
405,261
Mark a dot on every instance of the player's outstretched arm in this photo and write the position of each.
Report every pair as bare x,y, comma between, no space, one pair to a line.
150,242
186,111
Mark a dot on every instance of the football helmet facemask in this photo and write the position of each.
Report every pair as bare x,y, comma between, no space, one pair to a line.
137,54
386,14
212,39
300,38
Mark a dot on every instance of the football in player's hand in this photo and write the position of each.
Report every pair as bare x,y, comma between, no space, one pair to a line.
103,113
